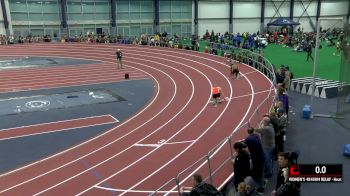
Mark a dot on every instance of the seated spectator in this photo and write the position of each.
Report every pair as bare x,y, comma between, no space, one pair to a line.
199,188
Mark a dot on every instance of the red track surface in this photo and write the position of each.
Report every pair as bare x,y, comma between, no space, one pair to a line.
55,126
175,129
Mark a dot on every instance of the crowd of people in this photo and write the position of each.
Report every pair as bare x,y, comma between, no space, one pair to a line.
11,39
254,163
161,40
298,41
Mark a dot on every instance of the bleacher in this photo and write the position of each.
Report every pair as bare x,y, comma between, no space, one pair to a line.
323,88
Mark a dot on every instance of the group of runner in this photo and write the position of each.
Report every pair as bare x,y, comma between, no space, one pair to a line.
217,93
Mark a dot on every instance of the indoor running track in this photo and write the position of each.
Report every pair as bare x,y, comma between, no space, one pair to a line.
177,127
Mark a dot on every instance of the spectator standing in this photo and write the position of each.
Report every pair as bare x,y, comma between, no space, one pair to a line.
283,97
309,52
257,156
286,81
268,143
283,186
241,164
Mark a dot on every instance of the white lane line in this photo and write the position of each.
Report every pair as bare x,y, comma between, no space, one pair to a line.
247,95
128,133
69,84
148,145
247,73
132,191
60,121
110,115
61,72
183,151
187,124
182,142
69,149
251,102
76,76
58,130
229,84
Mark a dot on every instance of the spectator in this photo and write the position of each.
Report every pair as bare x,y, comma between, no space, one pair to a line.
199,188
243,189
282,126
257,156
286,81
283,97
275,123
283,161
309,52
268,143
288,188
283,186
241,163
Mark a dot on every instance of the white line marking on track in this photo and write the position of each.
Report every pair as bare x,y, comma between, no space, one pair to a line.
231,90
144,109
133,130
247,73
203,133
182,142
192,93
250,94
179,130
148,145
132,191
113,118
60,121
90,82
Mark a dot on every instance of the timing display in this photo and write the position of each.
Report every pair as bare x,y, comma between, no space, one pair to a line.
316,173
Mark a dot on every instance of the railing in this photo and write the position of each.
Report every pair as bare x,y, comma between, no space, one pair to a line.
217,163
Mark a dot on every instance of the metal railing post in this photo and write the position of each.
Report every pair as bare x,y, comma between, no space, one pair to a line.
231,150
178,185
210,176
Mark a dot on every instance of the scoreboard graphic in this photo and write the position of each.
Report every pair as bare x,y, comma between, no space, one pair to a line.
316,173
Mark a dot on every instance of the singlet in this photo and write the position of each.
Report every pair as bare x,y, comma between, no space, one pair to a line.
216,90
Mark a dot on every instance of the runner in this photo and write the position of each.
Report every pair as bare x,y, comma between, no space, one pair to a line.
217,94
119,56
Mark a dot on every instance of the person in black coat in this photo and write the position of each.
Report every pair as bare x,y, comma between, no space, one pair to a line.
257,155
309,52
241,163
